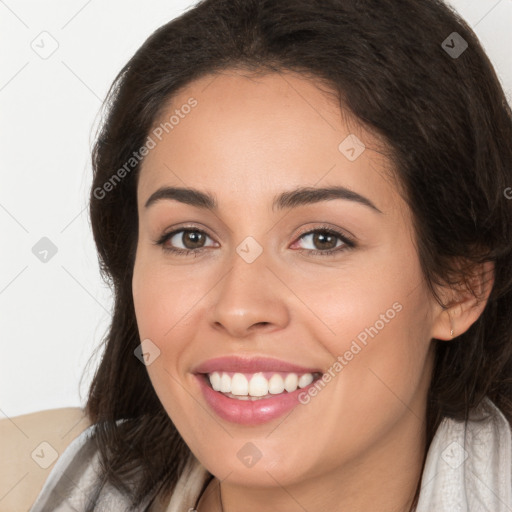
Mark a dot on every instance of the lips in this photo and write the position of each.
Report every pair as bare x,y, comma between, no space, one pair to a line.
248,412
251,365
251,410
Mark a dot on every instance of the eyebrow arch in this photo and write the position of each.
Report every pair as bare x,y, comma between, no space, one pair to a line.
290,199
309,195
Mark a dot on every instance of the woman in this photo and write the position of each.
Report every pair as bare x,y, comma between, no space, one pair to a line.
301,208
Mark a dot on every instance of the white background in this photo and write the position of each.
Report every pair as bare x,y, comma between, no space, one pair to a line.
53,314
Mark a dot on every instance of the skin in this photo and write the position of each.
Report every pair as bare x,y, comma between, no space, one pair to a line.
361,440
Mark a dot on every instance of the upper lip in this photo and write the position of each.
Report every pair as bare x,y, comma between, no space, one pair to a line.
250,365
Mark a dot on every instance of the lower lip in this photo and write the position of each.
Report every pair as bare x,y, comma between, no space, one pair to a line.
249,412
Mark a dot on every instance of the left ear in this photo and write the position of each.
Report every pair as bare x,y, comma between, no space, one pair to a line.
463,308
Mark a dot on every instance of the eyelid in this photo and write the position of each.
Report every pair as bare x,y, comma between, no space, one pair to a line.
169,233
186,227
343,234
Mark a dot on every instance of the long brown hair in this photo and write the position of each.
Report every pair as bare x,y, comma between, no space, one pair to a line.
448,129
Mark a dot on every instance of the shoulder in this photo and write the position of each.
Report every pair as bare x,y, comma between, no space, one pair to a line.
78,482
31,445
469,464
75,480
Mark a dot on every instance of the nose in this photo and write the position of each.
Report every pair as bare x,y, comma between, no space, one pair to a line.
249,299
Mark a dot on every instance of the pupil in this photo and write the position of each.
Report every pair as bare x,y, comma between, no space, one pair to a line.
194,237
321,238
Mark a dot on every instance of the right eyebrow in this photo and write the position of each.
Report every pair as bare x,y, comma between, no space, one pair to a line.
189,196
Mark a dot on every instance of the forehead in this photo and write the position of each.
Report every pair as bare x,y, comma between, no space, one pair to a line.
261,133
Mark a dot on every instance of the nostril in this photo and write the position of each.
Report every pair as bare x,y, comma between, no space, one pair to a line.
260,324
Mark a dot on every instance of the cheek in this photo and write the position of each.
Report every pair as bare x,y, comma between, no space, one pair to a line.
378,339
166,301
152,301
161,304
384,298
354,304
163,297
382,371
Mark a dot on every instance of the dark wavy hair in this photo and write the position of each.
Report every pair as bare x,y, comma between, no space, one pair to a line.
447,128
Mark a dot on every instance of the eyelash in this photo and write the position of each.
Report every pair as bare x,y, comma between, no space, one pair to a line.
348,242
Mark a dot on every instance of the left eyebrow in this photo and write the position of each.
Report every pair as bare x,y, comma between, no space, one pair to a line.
309,195
289,199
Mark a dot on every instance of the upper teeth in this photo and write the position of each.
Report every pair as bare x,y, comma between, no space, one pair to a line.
257,384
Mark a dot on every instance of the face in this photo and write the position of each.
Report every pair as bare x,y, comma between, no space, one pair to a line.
328,282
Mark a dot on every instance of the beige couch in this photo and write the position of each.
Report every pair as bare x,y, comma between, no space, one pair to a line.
29,447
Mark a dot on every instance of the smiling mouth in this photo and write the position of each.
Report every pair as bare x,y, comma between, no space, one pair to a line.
258,385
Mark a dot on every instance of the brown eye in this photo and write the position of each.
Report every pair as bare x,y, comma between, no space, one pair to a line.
324,241
184,241
192,239
321,240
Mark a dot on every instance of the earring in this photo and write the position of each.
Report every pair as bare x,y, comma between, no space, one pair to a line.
450,320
